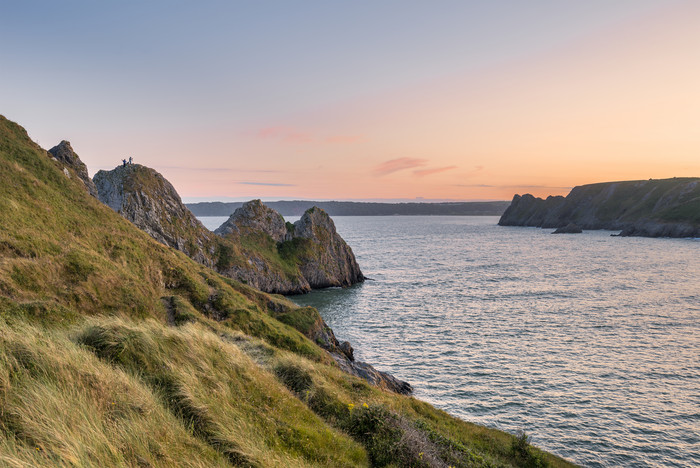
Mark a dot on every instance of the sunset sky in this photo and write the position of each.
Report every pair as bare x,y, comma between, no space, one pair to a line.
459,100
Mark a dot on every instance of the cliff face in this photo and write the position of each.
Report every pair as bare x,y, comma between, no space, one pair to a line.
147,199
324,257
63,153
650,208
311,252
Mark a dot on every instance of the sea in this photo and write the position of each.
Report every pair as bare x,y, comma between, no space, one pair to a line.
588,343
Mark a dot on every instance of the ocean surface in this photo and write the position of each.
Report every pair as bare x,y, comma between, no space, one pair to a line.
589,343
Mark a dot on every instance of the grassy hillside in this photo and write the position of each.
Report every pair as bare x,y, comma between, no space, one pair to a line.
118,351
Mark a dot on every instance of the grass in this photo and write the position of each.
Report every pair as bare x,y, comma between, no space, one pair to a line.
118,351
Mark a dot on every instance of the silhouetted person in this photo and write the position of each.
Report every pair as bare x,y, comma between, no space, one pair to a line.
131,160
124,162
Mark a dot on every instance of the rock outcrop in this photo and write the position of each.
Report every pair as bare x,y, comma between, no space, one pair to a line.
325,259
343,354
311,252
650,208
254,217
255,245
571,228
64,154
147,199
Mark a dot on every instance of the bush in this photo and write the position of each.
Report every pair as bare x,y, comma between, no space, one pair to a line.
526,455
294,377
378,431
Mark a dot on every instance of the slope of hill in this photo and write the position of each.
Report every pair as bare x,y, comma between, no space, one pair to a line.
340,208
651,208
116,350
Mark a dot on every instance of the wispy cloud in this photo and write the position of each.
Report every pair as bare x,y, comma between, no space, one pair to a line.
425,172
399,164
267,184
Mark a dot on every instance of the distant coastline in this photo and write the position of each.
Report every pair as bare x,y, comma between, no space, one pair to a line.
345,208
646,208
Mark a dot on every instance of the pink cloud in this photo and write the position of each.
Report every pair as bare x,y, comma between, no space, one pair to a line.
394,165
425,172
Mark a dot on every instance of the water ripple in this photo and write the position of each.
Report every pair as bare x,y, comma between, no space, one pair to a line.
589,343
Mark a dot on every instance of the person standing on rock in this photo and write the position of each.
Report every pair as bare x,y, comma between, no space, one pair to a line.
124,162
131,160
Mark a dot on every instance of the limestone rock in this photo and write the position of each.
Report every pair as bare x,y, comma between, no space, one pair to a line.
63,153
370,374
253,216
147,199
325,259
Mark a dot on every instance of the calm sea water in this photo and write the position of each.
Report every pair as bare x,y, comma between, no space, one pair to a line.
589,343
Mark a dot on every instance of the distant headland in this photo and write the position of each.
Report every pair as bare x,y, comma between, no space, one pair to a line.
648,208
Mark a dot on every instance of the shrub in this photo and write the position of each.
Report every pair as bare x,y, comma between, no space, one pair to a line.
294,377
526,455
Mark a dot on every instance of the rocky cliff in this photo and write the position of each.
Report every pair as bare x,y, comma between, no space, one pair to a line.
254,217
254,245
650,208
147,199
64,154
323,256
310,250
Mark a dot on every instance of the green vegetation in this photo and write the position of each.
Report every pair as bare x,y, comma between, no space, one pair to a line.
118,351
666,200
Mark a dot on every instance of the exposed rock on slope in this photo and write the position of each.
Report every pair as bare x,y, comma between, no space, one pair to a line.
342,352
651,208
63,153
148,200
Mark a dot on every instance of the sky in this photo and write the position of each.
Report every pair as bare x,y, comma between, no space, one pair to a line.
363,100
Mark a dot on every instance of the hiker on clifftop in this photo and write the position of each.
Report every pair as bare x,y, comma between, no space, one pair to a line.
131,160
124,162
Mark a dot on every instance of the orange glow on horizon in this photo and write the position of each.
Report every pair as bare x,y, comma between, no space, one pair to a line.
622,105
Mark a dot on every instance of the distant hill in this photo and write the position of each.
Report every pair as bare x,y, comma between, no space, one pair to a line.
649,208
345,208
